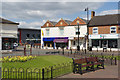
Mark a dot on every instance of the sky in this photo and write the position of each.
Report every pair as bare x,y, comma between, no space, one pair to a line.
33,14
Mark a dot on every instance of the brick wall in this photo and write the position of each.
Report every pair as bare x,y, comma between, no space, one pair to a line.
103,30
61,23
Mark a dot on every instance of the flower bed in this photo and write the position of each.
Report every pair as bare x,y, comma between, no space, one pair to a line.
17,58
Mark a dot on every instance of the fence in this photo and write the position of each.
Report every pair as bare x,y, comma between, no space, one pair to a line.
110,59
44,73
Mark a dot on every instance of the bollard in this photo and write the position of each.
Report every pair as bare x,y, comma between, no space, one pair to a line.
74,55
97,49
85,51
31,51
63,51
115,61
71,51
111,61
110,49
24,51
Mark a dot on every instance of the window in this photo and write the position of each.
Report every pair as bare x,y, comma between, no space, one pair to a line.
27,35
113,29
73,42
95,43
77,31
47,32
33,36
61,31
95,30
38,35
113,43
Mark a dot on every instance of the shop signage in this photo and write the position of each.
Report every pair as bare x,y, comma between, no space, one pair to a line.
71,37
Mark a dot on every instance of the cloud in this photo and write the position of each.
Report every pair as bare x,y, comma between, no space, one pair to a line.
60,0
36,25
109,12
40,10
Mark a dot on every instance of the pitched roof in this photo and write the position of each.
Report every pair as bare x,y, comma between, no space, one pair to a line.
53,22
104,20
68,21
5,21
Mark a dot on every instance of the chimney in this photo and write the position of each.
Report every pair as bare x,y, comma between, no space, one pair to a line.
92,14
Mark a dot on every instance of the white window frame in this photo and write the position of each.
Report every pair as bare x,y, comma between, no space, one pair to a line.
47,33
95,30
111,29
61,33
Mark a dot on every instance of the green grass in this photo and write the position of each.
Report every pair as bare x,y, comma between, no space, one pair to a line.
39,62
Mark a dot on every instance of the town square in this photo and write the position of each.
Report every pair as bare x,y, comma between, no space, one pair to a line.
59,40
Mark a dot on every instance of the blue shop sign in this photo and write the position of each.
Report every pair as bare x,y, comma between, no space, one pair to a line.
48,39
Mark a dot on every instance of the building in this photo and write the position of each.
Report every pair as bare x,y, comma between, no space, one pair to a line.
64,33
8,34
104,31
29,36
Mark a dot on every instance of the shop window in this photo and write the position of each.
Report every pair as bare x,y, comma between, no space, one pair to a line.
33,36
113,29
95,43
95,30
77,31
27,35
112,43
38,35
73,42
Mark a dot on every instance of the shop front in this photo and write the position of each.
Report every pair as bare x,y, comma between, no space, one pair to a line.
7,43
109,41
55,43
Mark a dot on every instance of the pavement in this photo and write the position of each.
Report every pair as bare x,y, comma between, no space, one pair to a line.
108,72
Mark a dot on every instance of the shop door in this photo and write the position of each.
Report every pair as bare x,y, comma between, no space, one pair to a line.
104,43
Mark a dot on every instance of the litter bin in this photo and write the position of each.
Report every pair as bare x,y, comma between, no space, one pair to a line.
90,48
104,49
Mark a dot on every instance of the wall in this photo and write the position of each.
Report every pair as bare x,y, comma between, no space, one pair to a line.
102,30
24,32
9,30
68,31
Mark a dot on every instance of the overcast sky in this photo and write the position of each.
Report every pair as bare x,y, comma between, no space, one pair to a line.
34,14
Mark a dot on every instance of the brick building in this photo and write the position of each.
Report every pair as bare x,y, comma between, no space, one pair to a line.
104,31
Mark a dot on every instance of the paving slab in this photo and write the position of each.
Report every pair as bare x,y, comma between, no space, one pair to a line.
108,72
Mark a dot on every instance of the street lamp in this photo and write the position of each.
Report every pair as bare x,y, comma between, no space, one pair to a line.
78,47
87,25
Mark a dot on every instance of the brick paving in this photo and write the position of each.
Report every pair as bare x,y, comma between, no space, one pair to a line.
108,72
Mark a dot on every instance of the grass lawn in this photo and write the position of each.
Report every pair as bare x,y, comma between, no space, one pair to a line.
39,62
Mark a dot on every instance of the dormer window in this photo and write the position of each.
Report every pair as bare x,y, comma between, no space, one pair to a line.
113,29
61,23
95,30
47,24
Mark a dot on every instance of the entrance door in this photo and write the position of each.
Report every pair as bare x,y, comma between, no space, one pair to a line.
104,43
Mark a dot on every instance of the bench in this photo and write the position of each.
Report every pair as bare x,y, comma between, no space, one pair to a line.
88,63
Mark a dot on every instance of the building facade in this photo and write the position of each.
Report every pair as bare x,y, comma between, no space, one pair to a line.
63,34
104,32
8,34
29,36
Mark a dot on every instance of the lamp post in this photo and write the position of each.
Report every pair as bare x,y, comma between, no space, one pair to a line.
87,25
78,47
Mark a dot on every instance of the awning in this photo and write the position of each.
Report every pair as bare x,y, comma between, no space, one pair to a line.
60,40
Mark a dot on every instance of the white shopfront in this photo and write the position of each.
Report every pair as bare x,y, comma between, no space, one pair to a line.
110,41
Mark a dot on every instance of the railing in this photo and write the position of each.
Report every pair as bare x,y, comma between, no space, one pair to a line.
44,73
